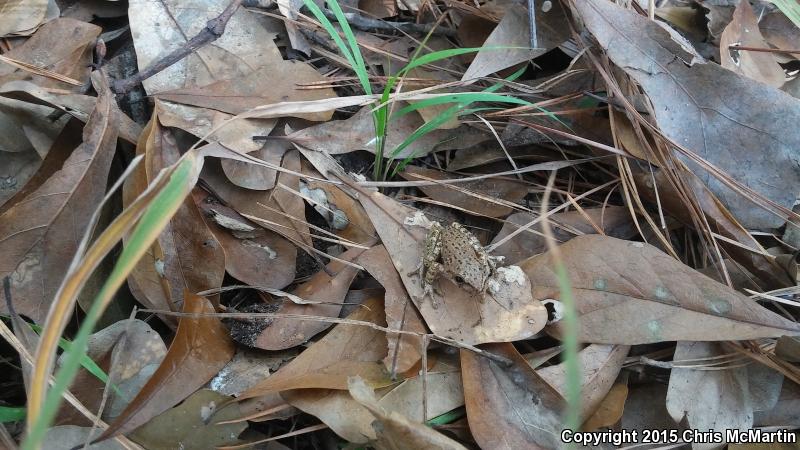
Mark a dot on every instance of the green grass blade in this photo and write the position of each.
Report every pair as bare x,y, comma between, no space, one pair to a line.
11,414
155,218
358,64
86,362
448,417
791,9
464,98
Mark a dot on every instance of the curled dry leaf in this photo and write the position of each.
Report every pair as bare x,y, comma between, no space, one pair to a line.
395,431
186,255
708,399
253,255
510,407
632,293
743,31
39,234
347,350
701,105
615,221
600,365
251,176
201,348
509,314
490,197
329,290
404,350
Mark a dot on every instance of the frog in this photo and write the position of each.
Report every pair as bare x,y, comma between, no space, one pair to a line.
456,254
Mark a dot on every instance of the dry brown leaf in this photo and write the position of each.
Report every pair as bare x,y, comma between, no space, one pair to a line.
513,31
284,212
786,413
480,195
347,350
337,409
251,176
719,219
63,45
21,16
615,221
395,431
510,407
281,333
201,348
703,106
404,350
191,425
743,31
645,408
358,133
76,105
600,365
253,255
509,314
708,399
609,411
160,28
632,293
39,234
379,9
192,258
273,83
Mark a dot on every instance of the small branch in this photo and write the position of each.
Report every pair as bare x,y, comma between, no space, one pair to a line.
532,23
362,23
213,30
762,49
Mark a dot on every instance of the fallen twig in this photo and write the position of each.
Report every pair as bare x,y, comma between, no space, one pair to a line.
213,30
362,23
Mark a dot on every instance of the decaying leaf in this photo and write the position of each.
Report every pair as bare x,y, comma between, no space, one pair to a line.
39,235
345,351
708,399
702,106
404,350
253,255
600,365
201,348
193,424
743,31
328,290
656,299
395,431
510,407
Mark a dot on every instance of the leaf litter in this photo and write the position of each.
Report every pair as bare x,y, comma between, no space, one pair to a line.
284,203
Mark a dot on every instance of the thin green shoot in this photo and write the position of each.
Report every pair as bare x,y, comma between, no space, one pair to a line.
12,414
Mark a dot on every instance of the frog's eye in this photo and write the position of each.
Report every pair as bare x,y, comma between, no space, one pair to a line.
459,279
